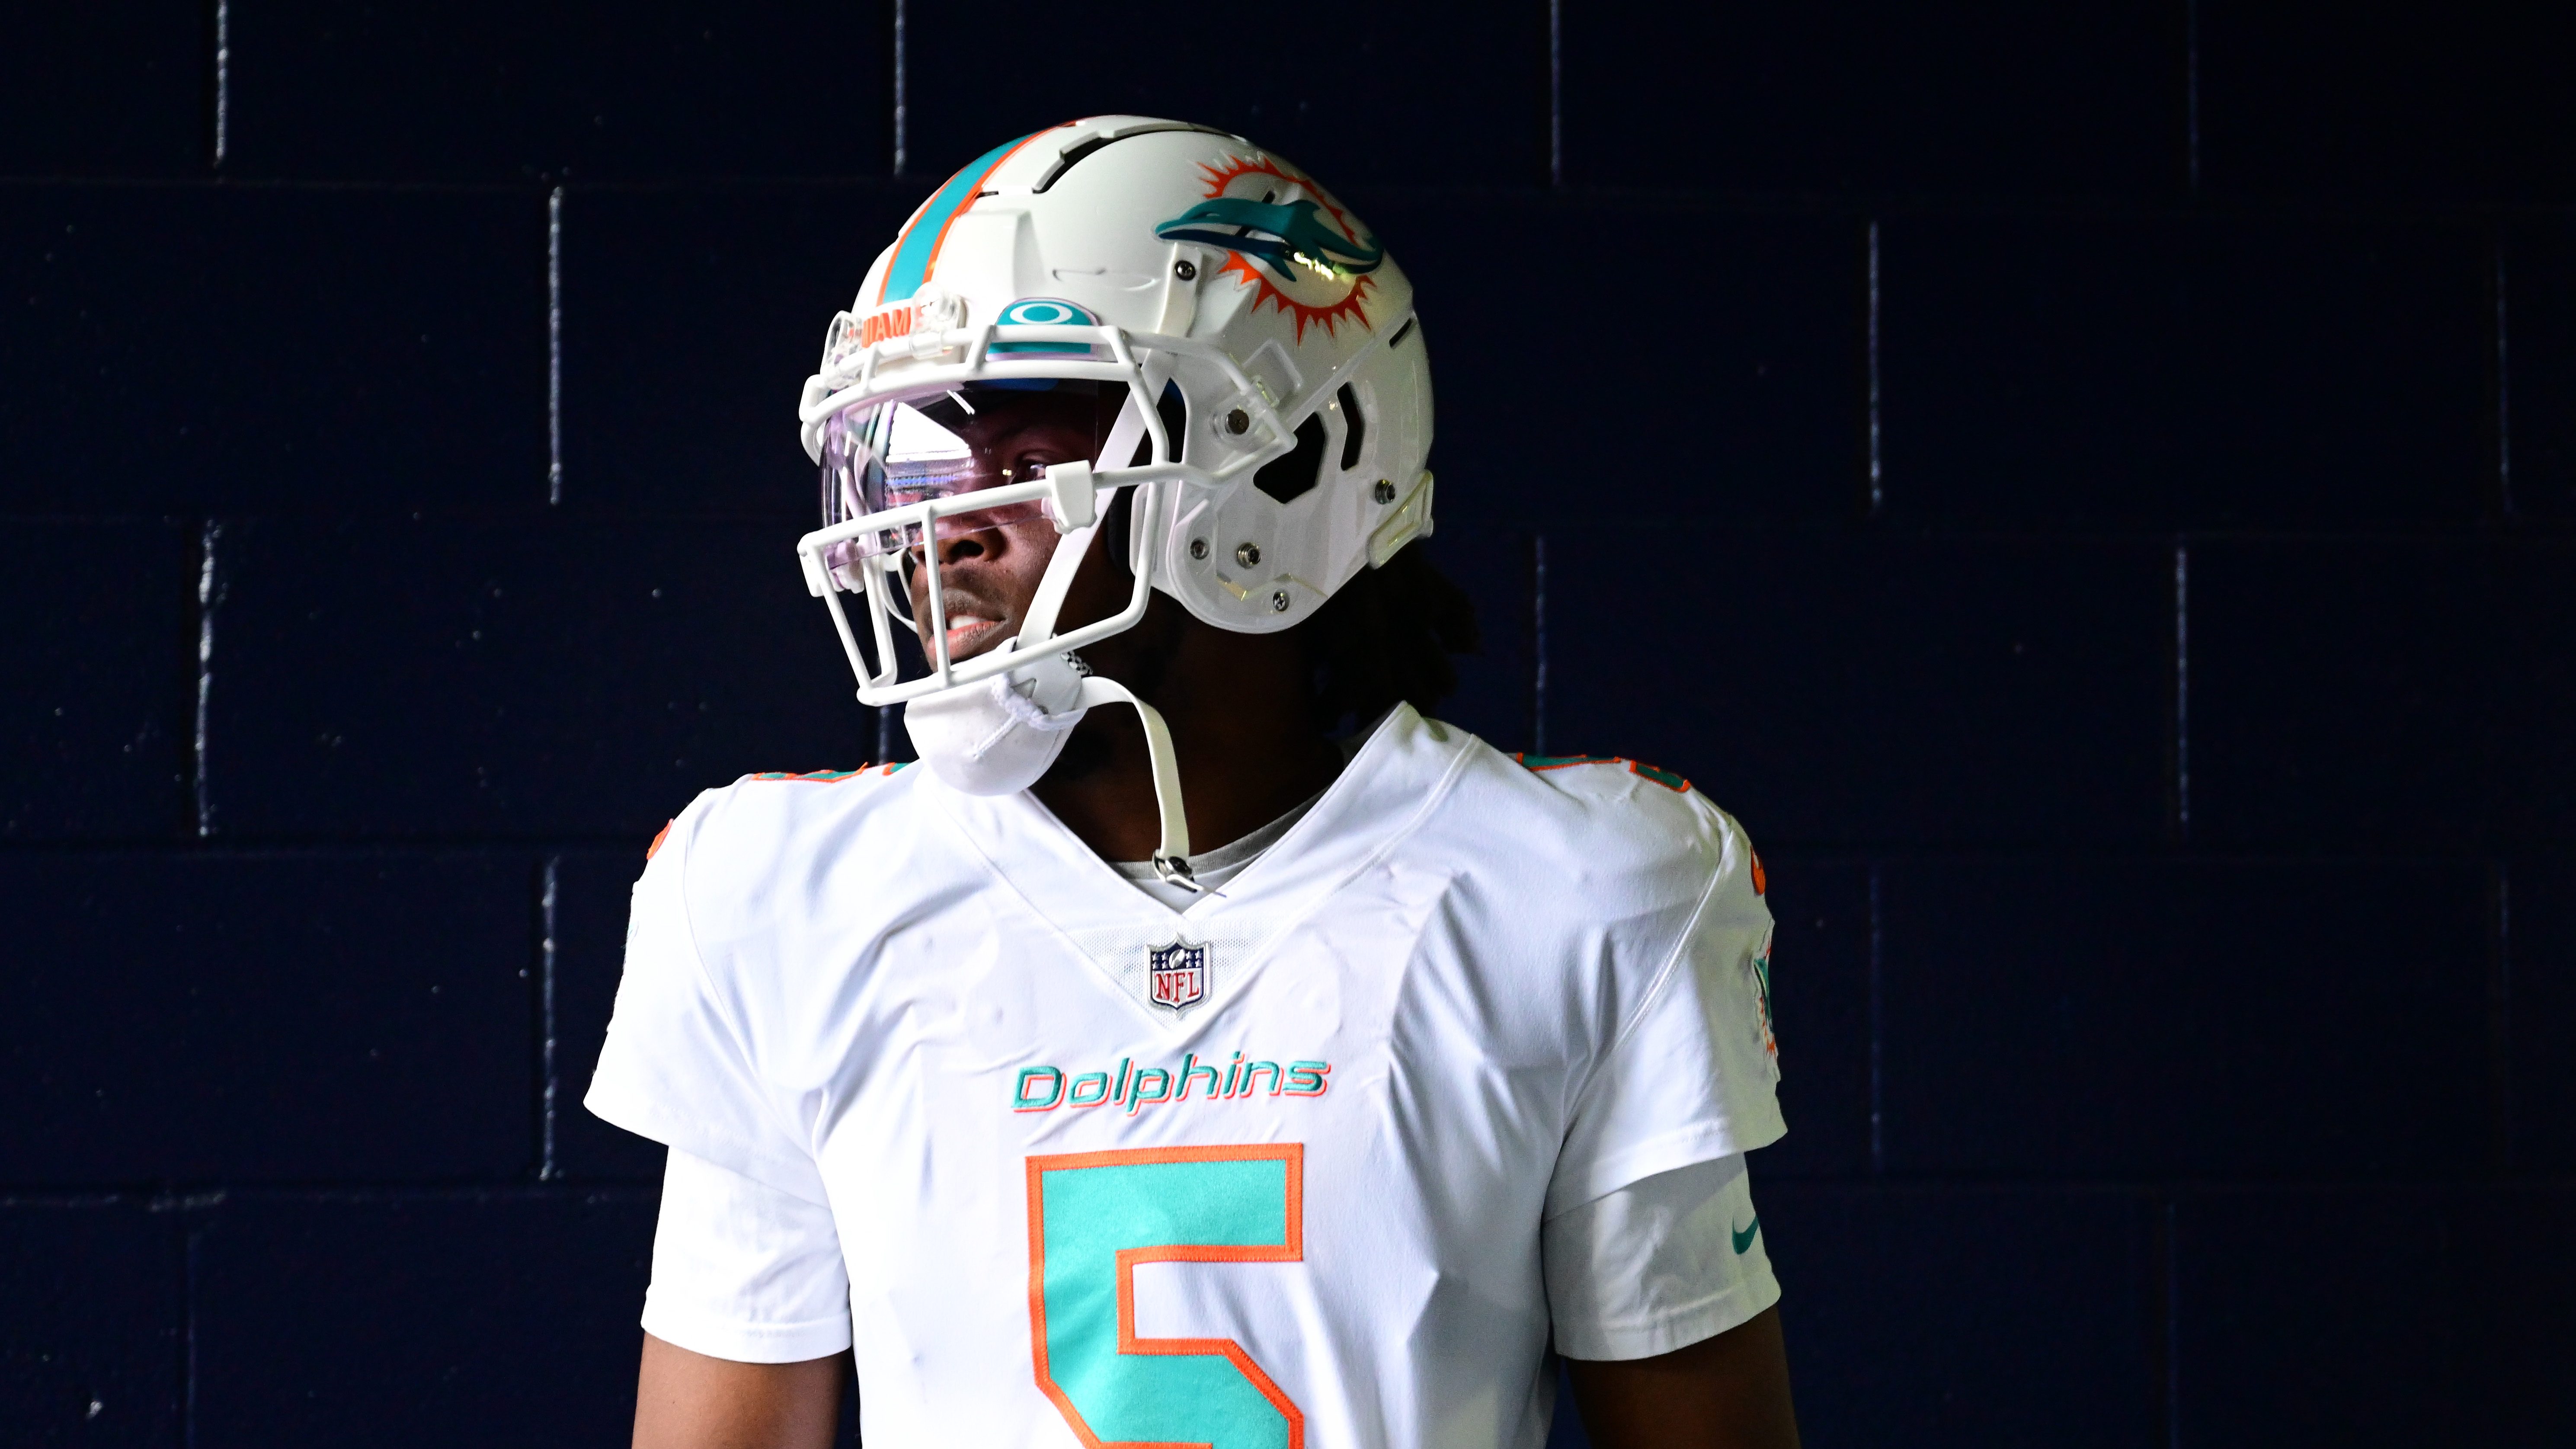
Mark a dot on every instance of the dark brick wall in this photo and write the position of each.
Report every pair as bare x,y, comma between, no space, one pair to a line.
2090,487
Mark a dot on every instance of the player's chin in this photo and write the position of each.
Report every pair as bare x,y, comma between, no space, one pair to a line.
983,636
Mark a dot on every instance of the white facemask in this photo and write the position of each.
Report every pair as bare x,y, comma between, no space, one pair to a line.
999,737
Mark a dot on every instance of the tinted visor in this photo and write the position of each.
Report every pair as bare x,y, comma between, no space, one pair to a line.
890,453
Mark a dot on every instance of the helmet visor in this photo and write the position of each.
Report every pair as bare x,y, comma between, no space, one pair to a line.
889,453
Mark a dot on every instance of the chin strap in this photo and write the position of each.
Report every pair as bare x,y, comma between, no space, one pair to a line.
1171,857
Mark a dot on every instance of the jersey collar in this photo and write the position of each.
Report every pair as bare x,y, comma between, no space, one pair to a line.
1393,783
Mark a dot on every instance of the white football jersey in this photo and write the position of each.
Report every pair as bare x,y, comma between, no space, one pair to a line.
1266,1172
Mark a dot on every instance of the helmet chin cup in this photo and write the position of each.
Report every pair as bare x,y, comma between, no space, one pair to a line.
998,736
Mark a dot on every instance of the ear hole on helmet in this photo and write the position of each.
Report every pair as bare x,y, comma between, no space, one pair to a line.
1354,431
1116,522
1291,477
1176,416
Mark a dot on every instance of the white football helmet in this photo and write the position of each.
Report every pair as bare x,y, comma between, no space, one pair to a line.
1275,420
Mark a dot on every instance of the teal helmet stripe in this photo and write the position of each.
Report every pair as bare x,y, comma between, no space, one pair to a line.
919,245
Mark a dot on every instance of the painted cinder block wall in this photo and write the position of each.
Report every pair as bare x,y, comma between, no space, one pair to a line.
2092,487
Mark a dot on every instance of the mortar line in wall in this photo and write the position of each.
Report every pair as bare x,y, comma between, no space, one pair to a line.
902,93
223,79
1877,1029
1877,476
207,596
2504,392
2191,92
188,1233
554,347
548,1167
1556,92
2182,691
2159,1311
2173,1327
1538,644
2500,1025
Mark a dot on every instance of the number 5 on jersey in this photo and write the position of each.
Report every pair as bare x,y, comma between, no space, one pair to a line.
1093,1216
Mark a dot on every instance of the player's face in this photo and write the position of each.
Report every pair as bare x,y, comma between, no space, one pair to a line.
989,571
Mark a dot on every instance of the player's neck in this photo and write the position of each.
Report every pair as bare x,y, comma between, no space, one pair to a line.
1241,712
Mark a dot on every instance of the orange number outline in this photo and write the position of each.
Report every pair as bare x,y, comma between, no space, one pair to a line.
1291,1251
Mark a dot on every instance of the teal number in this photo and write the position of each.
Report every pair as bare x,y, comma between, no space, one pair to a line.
1212,1205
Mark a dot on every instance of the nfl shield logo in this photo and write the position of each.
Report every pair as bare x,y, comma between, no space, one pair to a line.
1176,975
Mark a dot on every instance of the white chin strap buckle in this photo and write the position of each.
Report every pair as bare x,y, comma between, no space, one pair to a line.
1171,857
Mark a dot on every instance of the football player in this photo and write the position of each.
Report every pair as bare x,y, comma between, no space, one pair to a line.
1203,1044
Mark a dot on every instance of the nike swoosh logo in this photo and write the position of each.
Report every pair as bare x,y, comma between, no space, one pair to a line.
1744,1238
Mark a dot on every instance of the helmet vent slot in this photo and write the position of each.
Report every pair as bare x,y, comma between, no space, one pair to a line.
1354,431
1065,162
1401,333
1074,154
1289,478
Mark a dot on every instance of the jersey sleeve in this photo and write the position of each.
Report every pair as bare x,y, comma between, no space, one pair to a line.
1690,1074
743,1271
677,1067
1657,1265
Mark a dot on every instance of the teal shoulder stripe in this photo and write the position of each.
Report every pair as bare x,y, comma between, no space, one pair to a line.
1660,776
920,242
830,777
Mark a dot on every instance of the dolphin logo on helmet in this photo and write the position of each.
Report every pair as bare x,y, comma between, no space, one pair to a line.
1277,233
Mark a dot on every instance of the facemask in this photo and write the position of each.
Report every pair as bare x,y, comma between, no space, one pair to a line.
999,737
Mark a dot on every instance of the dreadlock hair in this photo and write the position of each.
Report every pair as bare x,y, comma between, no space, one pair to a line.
1386,636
